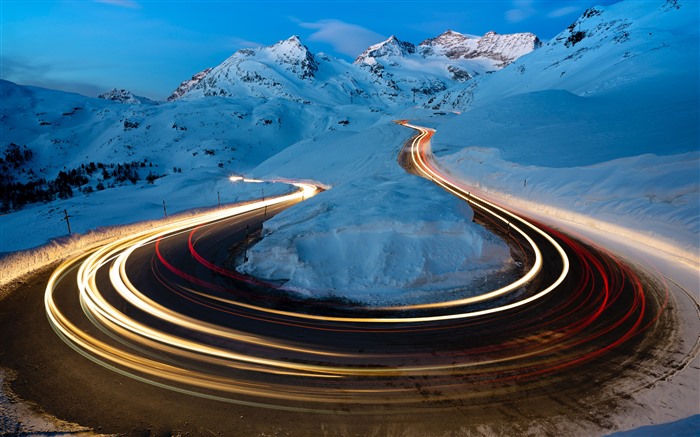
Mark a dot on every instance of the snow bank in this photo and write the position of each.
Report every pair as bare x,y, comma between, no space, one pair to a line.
377,242
380,236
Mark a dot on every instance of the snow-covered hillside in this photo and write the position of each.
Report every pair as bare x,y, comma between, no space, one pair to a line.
67,130
601,122
628,47
84,153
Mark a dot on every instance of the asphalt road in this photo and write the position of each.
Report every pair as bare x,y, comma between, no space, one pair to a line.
171,338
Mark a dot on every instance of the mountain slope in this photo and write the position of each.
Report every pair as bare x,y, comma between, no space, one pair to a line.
607,50
187,85
600,125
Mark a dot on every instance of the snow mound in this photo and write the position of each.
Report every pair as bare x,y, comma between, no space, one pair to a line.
379,236
376,254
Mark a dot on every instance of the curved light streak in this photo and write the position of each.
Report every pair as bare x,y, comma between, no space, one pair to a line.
144,338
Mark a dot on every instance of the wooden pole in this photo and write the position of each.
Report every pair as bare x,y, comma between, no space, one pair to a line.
65,212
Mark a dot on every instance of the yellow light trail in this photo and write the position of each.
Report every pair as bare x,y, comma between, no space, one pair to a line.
152,355
422,144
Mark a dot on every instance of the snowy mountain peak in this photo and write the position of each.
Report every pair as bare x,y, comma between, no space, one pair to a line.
188,84
391,47
278,70
291,44
447,38
507,48
604,24
450,44
601,53
502,48
124,96
295,56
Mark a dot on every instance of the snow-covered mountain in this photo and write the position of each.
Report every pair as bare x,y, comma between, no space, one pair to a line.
608,49
187,85
125,96
286,70
503,48
438,63
454,45
258,102
387,74
391,47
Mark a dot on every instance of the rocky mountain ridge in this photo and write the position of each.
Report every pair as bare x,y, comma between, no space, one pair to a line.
188,84
391,47
386,74
454,45
125,96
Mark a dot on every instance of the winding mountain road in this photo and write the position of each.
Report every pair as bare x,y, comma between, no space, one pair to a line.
167,308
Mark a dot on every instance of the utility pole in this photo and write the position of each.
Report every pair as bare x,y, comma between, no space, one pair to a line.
263,193
65,212
245,245
218,196
165,211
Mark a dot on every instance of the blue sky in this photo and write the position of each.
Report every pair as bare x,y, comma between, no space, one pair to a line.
150,46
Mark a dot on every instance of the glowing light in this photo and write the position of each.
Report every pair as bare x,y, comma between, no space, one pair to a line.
221,346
